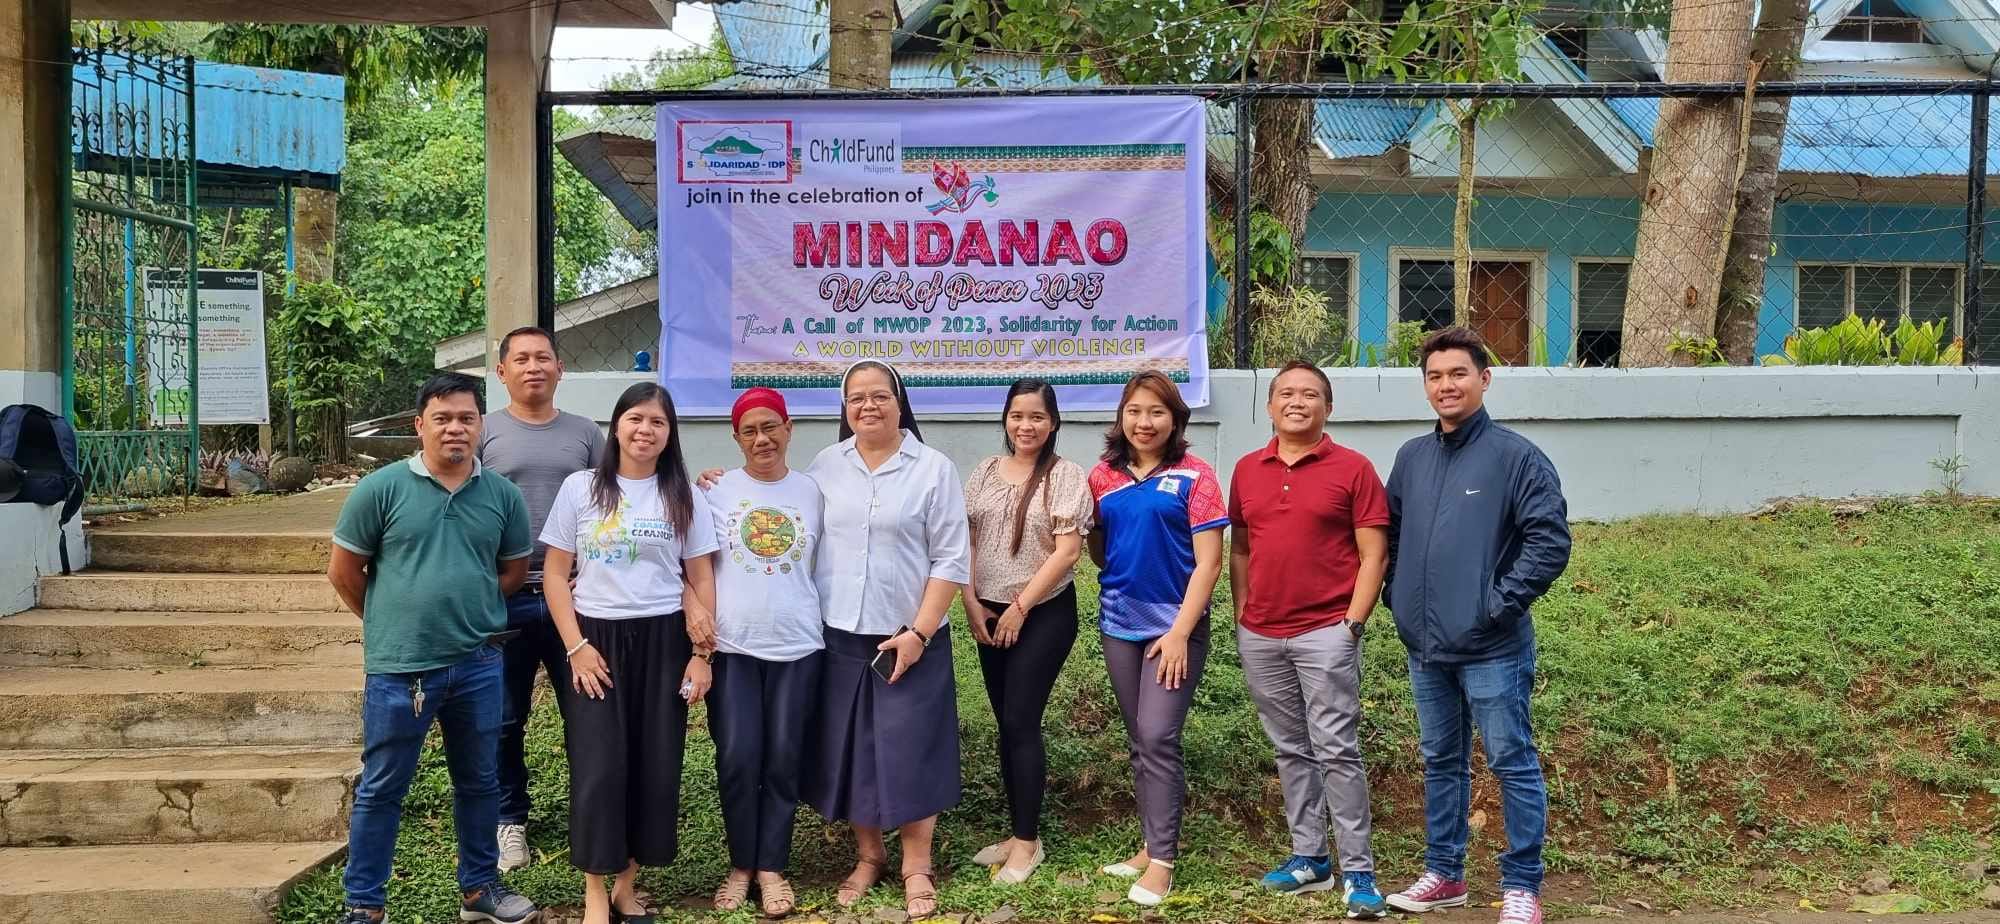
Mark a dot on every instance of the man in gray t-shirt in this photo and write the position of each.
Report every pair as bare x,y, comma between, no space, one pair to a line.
535,446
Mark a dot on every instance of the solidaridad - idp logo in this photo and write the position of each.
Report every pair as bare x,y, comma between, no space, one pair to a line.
736,152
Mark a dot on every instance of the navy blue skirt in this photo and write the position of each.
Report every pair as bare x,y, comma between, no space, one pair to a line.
884,754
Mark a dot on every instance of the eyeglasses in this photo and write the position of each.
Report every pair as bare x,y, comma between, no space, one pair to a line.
879,397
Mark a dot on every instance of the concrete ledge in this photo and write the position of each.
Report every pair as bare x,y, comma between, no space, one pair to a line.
170,552
1626,441
210,883
190,593
31,544
63,707
114,639
175,795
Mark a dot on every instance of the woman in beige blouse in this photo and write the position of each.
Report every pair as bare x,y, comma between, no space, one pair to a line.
1029,511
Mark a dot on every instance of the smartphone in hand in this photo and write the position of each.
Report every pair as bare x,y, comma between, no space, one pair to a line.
884,664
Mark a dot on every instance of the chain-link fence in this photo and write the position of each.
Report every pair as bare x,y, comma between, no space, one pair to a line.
1590,224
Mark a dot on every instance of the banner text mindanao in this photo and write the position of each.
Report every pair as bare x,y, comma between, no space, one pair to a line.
933,243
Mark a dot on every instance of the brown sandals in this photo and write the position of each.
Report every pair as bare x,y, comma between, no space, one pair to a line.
911,899
776,898
731,894
852,889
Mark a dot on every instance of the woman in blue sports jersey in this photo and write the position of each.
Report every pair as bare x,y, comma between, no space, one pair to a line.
1160,514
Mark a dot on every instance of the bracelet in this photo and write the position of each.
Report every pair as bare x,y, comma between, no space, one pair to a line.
926,639
571,653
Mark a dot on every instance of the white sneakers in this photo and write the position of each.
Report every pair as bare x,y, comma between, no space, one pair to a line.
514,847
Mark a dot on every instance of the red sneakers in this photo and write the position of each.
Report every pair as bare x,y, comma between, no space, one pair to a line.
1518,906
1432,891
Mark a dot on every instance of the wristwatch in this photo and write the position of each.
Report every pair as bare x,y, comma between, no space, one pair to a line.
921,636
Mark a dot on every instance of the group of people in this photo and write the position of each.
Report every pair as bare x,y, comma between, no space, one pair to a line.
810,611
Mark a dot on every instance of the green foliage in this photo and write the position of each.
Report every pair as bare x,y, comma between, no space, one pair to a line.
374,59
337,347
1697,351
1858,342
1406,341
1272,250
686,69
1293,324
1116,41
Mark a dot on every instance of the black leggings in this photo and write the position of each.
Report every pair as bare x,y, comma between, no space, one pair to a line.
1018,683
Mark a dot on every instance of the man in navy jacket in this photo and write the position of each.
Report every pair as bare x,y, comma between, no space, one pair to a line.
1478,530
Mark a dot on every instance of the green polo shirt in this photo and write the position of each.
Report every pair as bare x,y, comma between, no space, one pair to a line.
433,579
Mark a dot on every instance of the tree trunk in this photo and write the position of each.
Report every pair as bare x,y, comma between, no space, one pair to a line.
315,216
1467,121
1690,187
1775,51
857,49
1281,180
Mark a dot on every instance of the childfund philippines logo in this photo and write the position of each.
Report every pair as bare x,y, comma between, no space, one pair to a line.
735,152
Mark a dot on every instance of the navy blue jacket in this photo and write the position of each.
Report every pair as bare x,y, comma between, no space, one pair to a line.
1478,530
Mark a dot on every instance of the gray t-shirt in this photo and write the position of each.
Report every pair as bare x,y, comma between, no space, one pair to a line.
536,458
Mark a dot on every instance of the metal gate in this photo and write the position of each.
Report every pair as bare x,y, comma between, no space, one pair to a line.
130,243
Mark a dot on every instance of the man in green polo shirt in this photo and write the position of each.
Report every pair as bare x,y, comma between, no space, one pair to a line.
425,553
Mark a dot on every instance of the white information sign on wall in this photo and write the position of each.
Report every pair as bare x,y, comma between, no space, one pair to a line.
235,378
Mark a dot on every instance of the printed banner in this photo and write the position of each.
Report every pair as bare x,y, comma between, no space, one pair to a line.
967,242
235,380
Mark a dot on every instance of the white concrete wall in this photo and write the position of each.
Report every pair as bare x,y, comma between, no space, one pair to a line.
1627,442
29,548
43,388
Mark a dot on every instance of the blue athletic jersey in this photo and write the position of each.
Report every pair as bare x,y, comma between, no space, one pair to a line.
1148,528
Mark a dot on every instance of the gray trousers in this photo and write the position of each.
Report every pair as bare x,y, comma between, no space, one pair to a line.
1308,694
1154,716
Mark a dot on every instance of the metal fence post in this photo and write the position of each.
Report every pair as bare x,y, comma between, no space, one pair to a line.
1975,230
1239,294
545,215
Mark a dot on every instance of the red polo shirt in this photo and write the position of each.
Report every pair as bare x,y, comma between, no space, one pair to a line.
1301,520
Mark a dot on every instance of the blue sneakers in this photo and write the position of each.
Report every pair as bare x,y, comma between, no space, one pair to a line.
1364,901
1300,874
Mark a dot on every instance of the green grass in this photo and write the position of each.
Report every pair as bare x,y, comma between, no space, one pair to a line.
1727,708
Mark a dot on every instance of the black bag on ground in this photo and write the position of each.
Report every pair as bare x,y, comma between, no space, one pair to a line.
42,448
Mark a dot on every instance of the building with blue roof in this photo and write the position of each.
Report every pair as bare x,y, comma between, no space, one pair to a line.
1872,188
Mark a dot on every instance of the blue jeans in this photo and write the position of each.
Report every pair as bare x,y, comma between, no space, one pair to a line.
1451,699
537,646
463,698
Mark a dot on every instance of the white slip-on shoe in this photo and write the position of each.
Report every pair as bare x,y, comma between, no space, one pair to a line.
1010,876
991,854
1144,897
1122,870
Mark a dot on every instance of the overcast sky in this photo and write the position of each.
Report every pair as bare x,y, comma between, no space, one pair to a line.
580,59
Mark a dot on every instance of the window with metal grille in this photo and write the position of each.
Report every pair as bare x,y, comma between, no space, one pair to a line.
1878,292
1880,21
1330,275
1424,293
1600,310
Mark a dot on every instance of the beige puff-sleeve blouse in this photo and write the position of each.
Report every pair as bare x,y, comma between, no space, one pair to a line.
1060,505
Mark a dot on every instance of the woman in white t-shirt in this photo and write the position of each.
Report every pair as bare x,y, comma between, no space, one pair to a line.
639,629
768,649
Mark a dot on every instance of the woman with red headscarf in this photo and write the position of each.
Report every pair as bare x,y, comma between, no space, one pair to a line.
768,649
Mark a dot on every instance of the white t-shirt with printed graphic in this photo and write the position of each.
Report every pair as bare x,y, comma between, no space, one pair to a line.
769,534
628,561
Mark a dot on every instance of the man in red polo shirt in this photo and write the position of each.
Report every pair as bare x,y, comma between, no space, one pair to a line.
1308,545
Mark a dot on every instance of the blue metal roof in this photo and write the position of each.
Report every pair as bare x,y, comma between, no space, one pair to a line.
1363,127
1882,136
246,118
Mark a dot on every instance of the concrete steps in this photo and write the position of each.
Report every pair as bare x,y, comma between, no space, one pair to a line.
72,707
180,726
208,592
209,883
175,552
153,639
64,798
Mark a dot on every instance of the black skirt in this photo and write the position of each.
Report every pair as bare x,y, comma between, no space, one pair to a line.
884,754
625,749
